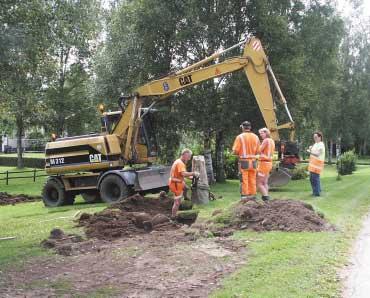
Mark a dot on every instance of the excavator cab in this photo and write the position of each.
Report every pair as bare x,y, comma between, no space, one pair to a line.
109,121
147,137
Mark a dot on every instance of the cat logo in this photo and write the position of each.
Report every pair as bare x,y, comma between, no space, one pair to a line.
95,158
185,80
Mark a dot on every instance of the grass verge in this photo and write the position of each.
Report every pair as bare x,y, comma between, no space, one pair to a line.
279,264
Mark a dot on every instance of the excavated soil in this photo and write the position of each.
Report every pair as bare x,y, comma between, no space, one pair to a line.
7,199
156,264
279,215
132,216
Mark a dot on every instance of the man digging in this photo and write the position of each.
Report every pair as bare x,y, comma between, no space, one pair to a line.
176,182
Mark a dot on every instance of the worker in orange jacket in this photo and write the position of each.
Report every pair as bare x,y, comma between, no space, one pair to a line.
264,168
246,147
176,181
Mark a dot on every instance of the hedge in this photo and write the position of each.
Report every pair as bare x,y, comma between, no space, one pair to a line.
38,163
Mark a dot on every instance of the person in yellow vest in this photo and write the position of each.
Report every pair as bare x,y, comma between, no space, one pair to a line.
316,162
176,181
246,147
264,168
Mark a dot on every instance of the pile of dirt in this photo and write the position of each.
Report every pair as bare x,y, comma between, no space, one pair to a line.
7,199
132,216
63,244
281,215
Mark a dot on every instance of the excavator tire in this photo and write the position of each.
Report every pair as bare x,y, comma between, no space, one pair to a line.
54,194
113,189
91,197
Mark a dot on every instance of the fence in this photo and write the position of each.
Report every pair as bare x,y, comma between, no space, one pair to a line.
7,175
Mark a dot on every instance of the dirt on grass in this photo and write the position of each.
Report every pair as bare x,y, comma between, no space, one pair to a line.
132,216
7,199
156,264
281,215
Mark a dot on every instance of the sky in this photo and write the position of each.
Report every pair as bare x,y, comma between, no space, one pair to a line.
345,7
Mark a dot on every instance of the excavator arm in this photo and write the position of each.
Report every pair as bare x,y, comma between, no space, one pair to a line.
93,164
253,62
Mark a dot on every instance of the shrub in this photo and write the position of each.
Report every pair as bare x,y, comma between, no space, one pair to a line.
346,163
299,172
231,166
27,162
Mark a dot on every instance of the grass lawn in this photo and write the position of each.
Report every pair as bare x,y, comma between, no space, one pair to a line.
279,264
25,185
26,154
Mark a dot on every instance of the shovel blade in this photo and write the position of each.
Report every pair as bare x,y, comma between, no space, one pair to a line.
279,177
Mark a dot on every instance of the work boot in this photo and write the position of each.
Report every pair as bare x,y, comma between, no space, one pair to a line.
266,198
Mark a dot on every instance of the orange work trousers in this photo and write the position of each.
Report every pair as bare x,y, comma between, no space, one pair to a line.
248,182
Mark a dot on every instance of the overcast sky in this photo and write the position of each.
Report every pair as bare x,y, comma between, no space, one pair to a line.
345,8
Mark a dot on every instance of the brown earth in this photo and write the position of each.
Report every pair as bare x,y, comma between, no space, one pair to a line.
156,264
282,215
132,216
7,199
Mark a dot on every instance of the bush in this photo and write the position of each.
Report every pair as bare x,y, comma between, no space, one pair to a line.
231,166
38,163
299,172
346,163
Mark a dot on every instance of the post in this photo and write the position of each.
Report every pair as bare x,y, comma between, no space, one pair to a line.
7,177
200,192
34,175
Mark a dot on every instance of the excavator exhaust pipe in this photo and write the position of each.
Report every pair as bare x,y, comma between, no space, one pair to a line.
279,177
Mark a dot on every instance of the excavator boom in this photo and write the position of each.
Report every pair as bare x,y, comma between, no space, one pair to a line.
96,162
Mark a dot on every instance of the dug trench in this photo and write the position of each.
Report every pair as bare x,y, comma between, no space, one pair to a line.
159,259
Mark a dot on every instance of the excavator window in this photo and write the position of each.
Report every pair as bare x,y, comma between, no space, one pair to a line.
109,121
147,135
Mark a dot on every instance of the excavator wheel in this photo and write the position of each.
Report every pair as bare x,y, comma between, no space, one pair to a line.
113,189
91,197
54,194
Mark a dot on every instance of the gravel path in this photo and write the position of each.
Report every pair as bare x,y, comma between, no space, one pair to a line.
357,283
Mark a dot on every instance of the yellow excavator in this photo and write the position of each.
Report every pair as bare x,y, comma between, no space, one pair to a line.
96,165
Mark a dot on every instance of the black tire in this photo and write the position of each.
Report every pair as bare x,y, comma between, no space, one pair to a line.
113,189
54,195
91,197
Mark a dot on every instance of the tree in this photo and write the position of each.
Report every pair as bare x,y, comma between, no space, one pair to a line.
23,55
74,27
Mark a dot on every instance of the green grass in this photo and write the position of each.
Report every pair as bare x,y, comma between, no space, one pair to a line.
18,186
26,154
281,264
278,264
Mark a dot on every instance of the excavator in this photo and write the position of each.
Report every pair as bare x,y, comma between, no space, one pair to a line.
120,160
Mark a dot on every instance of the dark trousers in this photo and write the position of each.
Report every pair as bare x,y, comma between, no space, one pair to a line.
315,184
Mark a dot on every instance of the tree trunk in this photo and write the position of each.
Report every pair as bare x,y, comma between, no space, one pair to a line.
20,125
208,157
330,155
364,147
220,164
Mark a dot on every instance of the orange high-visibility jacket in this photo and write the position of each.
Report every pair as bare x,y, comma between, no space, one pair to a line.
246,145
315,165
267,149
176,169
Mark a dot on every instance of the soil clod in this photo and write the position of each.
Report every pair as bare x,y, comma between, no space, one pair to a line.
63,244
8,199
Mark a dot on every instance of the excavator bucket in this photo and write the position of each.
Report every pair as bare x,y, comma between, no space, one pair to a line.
279,177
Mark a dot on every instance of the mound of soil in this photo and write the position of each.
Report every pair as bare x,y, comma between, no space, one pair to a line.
132,216
63,244
282,215
7,199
